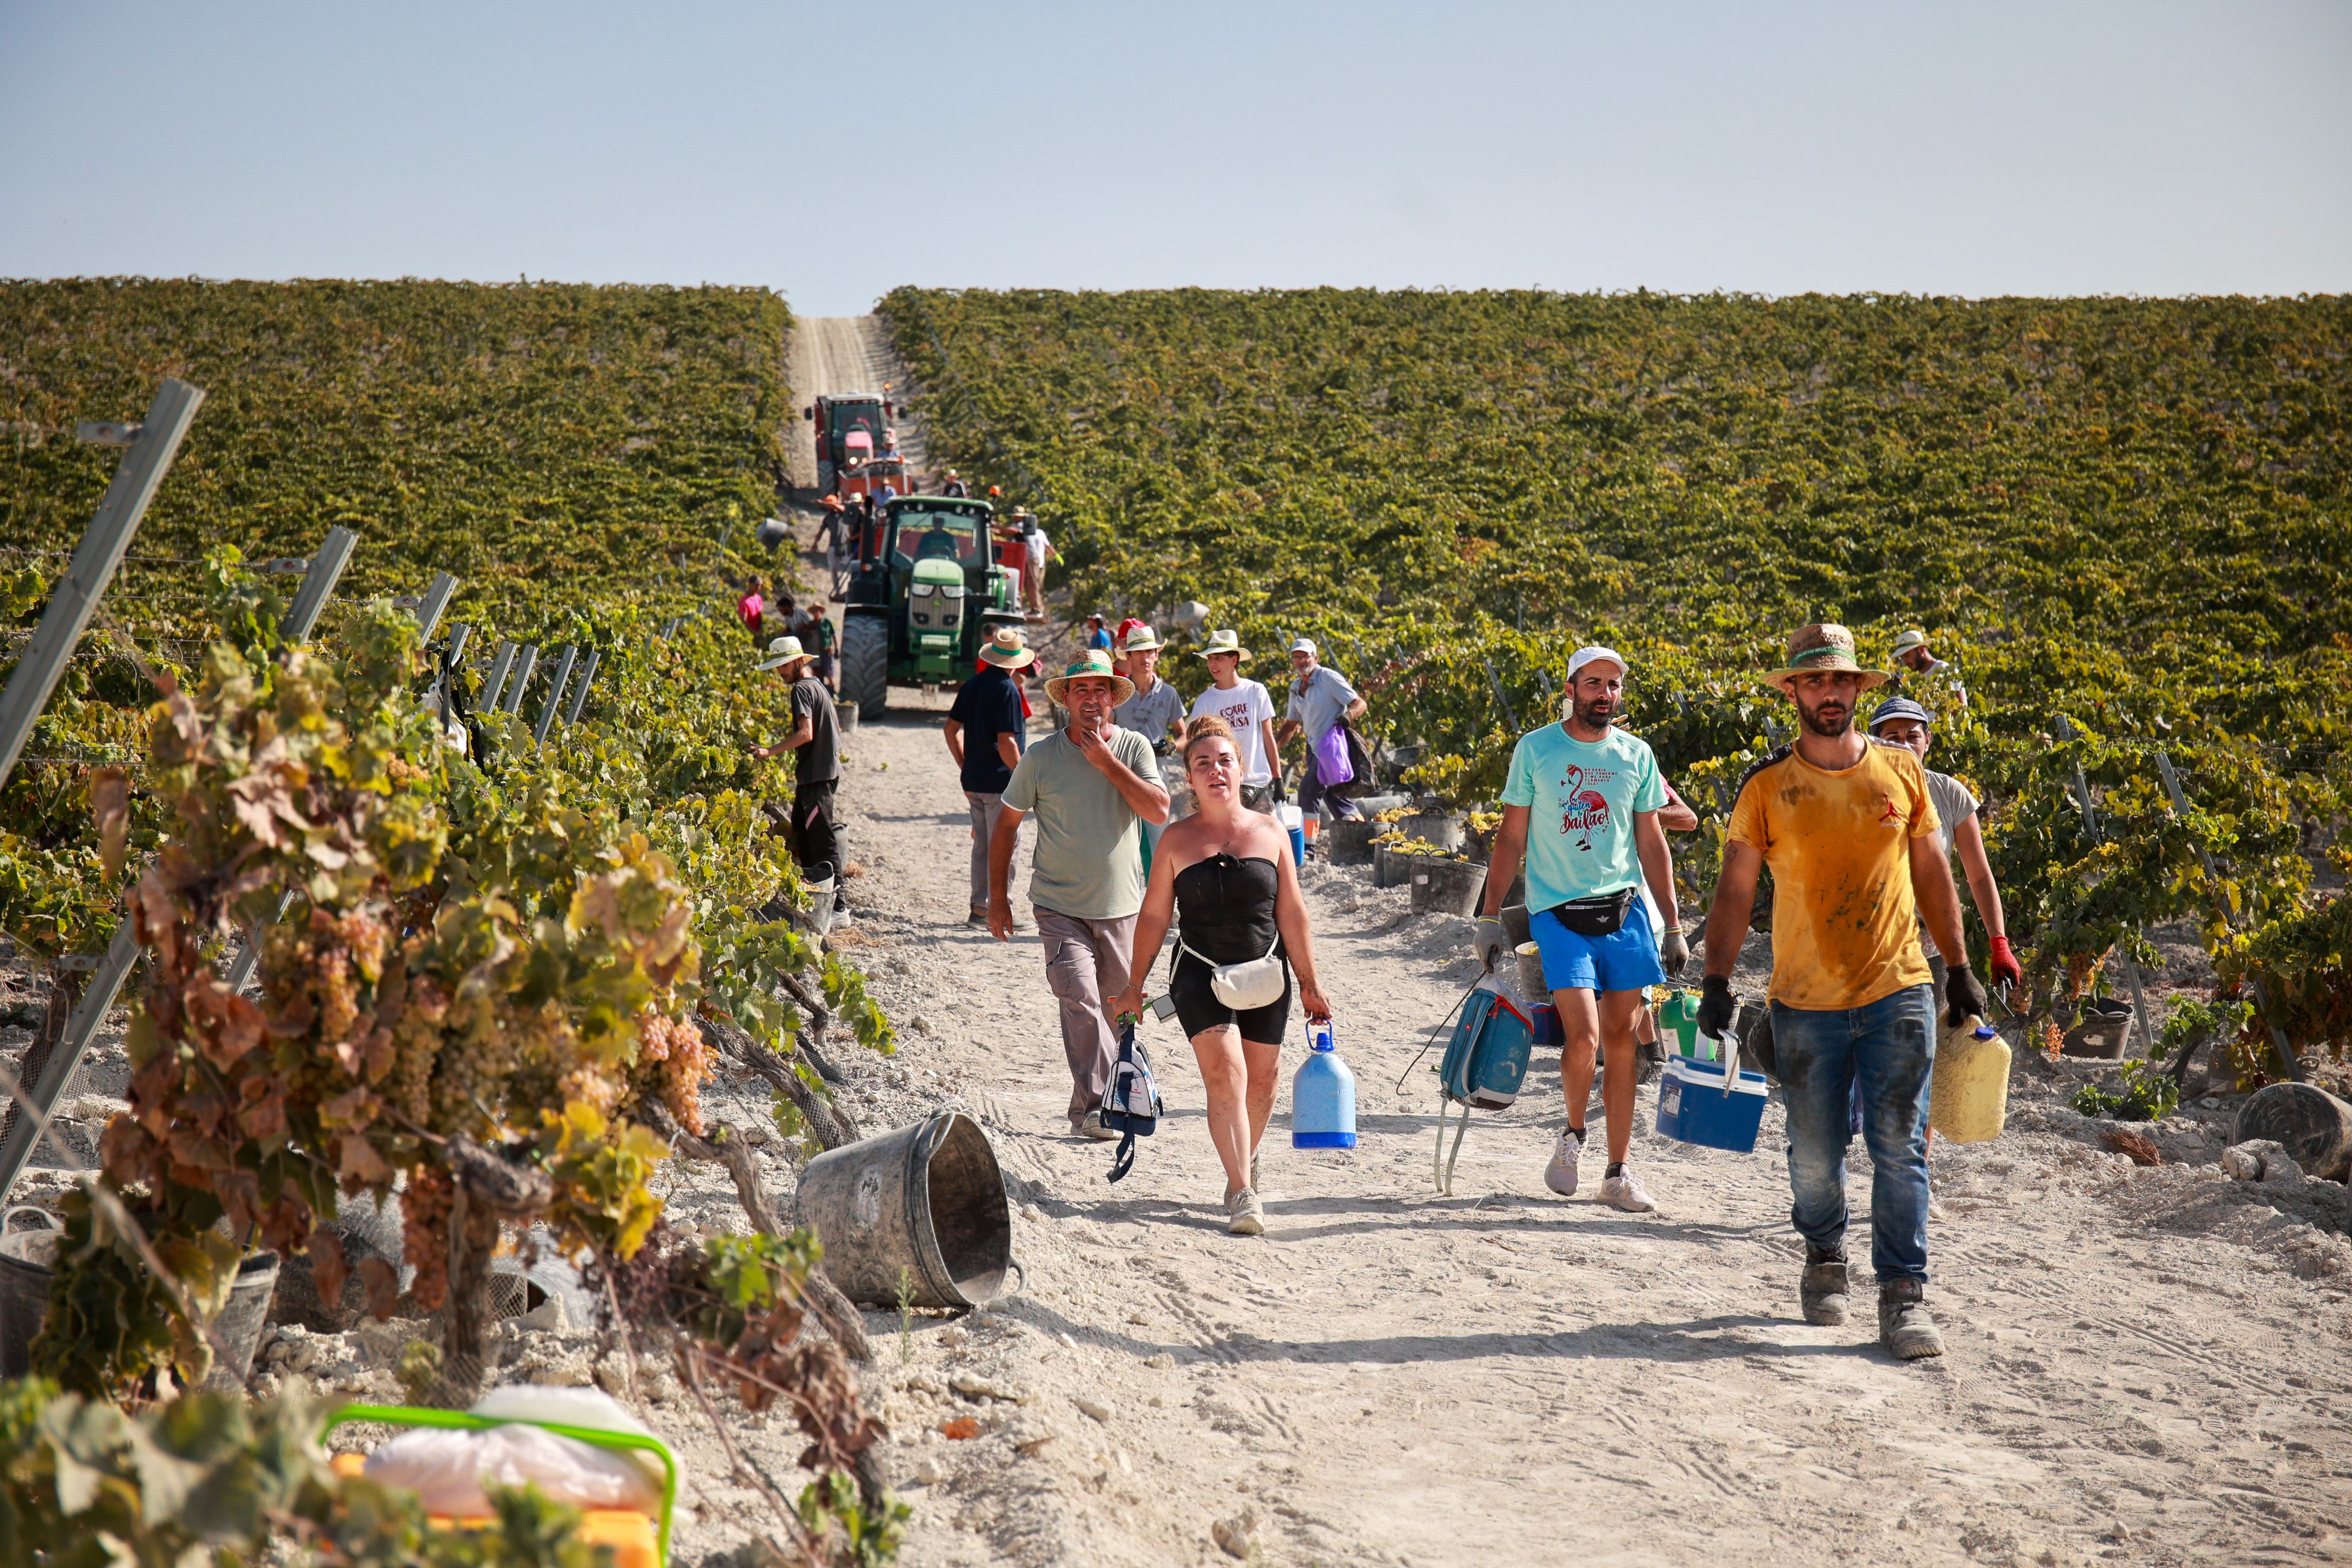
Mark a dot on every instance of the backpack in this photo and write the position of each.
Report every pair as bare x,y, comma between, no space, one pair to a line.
1484,1065
1131,1102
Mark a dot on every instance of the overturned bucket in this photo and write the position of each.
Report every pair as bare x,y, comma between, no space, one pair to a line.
917,1214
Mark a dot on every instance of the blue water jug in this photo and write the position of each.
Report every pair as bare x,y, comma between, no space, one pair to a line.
1322,1095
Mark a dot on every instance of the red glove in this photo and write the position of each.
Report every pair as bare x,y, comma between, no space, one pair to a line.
2006,969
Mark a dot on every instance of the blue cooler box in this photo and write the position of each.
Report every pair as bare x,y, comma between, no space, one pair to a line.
1695,1106
1545,1021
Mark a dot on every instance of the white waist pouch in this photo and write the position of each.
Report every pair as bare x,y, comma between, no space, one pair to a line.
1242,986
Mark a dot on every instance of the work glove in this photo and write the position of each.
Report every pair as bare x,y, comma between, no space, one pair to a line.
1674,952
1715,1008
1489,942
1964,996
2006,969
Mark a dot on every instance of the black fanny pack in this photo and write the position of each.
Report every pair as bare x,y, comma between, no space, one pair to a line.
1597,916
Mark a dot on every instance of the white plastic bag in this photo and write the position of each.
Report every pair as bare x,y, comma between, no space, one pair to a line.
450,1471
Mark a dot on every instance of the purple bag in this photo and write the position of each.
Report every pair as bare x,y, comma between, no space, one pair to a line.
1332,764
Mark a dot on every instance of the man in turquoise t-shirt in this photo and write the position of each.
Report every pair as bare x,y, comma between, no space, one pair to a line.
1581,806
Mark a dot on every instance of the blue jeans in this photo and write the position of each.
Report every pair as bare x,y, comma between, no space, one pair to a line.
1887,1051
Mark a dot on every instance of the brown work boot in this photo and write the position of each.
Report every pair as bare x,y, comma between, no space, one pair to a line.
1903,1325
1821,1290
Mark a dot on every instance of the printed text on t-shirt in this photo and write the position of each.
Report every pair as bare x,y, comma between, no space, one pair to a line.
1587,812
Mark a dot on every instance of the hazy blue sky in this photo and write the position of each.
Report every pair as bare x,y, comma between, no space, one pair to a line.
833,151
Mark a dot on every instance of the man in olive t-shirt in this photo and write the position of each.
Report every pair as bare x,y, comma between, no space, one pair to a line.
1090,787
1847,827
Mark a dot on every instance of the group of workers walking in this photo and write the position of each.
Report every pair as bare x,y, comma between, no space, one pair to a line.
1857,833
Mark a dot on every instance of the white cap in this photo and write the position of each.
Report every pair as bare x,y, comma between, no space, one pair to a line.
1303,645
1584,656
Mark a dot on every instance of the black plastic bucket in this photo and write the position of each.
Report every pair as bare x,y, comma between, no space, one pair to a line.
27,1257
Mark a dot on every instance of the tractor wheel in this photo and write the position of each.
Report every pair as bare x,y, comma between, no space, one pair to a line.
865,663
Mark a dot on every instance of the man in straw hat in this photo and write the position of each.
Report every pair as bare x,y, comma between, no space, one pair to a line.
817,735
1155,712
1911,653
1247,708
986,733
1582,803
1849,829
1090,787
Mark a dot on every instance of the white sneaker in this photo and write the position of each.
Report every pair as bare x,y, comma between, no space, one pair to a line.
1247,1214
1561,1175
1625,1192
1092,1127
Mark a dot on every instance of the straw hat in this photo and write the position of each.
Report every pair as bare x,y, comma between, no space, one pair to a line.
1915,638
1005,649
1095,664
785,650
1140,639
1224,641
1823,648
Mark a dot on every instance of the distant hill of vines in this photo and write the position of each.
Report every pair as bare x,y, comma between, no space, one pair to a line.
2134,514
544,442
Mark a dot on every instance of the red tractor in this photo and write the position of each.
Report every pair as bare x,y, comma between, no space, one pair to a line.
852,431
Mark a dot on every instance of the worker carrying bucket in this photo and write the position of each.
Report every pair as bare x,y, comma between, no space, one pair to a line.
1846,825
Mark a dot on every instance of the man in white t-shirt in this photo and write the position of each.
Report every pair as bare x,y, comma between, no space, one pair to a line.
1248,707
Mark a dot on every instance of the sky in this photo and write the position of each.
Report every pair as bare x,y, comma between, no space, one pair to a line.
832,152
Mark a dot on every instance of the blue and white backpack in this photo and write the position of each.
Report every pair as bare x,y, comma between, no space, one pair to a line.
1131,1102
1486,1061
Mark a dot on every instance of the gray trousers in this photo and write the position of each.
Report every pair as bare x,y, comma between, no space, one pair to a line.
1086,962
984,809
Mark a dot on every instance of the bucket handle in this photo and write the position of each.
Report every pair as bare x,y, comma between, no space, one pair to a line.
8,1219
1726,1055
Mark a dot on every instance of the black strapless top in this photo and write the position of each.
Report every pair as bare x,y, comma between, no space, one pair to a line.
1224,907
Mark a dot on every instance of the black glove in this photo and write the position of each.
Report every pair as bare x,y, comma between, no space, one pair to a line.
1715,1008
1674,952
1964,997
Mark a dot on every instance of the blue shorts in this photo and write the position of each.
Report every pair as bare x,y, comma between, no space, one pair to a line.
1624,960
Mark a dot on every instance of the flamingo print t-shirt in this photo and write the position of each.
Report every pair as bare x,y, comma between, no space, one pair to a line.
1581,797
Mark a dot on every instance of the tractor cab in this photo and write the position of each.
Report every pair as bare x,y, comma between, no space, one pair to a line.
856,426
926,592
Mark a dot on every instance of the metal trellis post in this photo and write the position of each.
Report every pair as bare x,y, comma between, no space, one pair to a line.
561,678
437,594
500,662
580,694
50,1084
319,579
1495,682
95,560
530,658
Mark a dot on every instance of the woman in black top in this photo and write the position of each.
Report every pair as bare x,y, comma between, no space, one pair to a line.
1228,872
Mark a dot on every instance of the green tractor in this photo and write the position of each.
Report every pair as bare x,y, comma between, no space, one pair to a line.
926,593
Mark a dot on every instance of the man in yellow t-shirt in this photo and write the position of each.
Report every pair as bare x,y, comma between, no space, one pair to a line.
1848,828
